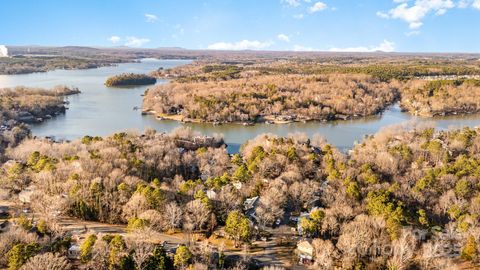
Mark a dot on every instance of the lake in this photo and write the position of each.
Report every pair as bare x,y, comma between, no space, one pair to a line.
101,110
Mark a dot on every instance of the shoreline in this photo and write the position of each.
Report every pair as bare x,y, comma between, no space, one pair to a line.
267,119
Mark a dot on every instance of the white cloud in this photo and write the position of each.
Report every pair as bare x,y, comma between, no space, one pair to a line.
293,3
283,37
385,46
241,45
298,16
382,14
318,6
476,4
300,48
151,18
136,42
114,39
412,33
463,3
467,3
415,13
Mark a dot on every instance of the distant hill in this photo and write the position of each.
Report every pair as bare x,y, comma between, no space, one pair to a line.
125,52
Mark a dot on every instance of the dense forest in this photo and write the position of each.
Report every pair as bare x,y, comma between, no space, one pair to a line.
441,97
403,199
294,97
295,90
385,69
128,79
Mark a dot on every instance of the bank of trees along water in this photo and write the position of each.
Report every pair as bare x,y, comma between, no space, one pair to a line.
21,105
441,97
289,90
24,65
129,79
403,198
292,96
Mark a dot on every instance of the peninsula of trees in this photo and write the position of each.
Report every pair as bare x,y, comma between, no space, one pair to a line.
30,105
24,65
23,105
130,79
293,90
274,98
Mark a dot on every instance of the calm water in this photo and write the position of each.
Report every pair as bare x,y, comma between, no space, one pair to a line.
100,110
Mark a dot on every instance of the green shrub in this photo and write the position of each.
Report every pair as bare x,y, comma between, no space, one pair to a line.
20,253
86,248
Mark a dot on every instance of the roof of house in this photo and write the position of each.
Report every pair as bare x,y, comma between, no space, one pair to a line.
305,247
250,203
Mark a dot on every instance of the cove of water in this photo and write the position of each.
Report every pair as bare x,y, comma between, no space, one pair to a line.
102,111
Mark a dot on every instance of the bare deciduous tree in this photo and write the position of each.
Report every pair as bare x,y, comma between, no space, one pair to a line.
141,252
46,261
403,251
173,216
325,254
197,214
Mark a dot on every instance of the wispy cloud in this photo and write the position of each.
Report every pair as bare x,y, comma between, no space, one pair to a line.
385,46
241,45
283,37
415,13
151,18
136,42
114,39
293,3
467,3
412,33
298,16
318,6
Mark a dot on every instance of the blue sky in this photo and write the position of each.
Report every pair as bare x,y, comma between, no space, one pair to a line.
353,25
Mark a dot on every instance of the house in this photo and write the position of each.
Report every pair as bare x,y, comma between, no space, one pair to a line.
250,203
305,252
73,252
250,207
